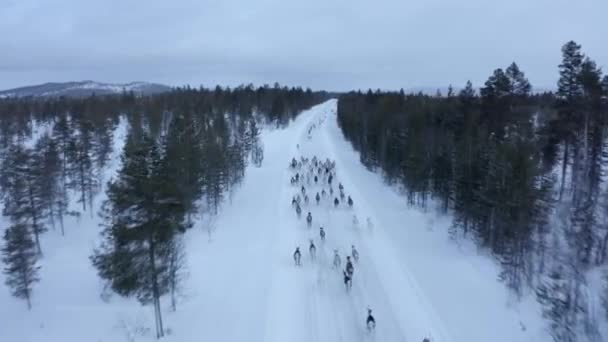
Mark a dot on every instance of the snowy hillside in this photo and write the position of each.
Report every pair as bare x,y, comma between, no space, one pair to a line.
242,284
84,88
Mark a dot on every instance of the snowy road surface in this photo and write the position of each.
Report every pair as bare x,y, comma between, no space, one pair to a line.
416,281
242,284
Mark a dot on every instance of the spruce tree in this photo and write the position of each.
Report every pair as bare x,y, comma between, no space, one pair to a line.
19,256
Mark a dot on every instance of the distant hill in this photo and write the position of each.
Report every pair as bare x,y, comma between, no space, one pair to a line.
83,89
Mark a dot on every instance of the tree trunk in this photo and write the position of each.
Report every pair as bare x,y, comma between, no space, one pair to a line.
575,176
564,168
27,290
155,290
83,195
585,146
173,267
34,217
491,232
602,254
52,215
60,216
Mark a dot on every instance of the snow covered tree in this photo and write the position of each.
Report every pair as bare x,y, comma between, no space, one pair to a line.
253,144
20,257
83,177
257,154
54,197
142,215
63,138
24,204
215,164
183,151
102,138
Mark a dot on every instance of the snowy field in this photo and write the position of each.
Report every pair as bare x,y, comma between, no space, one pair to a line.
242,284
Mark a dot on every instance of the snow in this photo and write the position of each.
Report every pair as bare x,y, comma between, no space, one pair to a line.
115,88
242,284
56,89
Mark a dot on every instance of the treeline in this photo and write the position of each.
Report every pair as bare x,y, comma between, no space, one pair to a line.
520,173
183,151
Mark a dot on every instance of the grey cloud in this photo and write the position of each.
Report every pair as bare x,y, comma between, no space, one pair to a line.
323,44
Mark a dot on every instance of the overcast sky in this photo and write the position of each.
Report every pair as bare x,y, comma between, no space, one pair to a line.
324,44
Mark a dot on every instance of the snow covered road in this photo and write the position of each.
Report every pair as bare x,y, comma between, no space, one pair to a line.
417,282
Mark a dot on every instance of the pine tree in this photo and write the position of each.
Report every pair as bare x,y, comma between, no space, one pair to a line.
54,198
215,164
467,94
255,144
142,215
103,136
20,257
520,87
497,99
497,86
590,81
569,93
24,204
83,177
278,110
568,85
64,139
450,91
183,150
